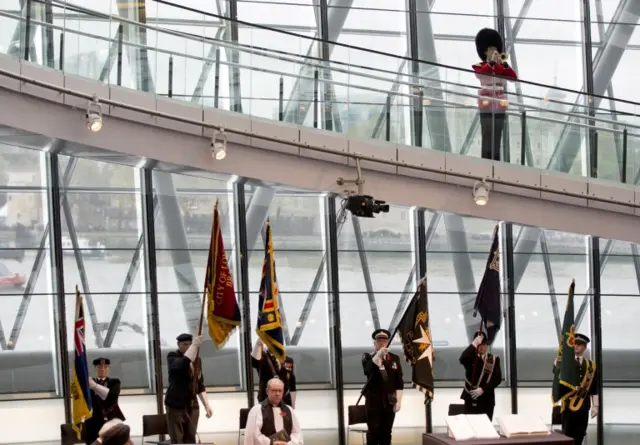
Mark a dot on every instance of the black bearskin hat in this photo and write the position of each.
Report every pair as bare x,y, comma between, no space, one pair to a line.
485,38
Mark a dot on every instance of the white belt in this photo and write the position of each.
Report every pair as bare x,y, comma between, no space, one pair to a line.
499,88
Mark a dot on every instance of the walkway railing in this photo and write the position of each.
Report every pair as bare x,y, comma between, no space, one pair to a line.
402,105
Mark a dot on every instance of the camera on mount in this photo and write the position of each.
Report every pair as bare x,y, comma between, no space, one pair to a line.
364,206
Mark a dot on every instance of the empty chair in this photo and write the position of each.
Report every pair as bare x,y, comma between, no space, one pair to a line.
357,421
456,409
242,424
68,436
155,425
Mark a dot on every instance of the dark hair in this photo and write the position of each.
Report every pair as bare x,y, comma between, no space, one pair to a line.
117,435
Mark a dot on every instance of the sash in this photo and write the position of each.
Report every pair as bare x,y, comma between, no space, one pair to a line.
487,370
582,392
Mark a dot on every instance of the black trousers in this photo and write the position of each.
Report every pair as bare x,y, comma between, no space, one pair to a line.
91,429
182,424
478,408
574,424
379,424
491,126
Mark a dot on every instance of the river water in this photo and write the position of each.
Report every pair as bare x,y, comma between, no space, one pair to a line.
296,271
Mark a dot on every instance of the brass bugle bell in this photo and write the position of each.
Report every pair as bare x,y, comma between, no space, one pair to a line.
504,57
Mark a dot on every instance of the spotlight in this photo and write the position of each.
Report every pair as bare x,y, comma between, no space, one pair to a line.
481,193
219,145
94,115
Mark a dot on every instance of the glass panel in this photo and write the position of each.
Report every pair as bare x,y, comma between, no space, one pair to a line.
620,307
183,232
456,259
27,321
375,256
296,227
100,234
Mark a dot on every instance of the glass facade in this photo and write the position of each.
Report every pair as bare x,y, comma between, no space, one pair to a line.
102,244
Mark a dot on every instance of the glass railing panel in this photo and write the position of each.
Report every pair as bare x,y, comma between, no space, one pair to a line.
358,92
550,142
11,29
89,42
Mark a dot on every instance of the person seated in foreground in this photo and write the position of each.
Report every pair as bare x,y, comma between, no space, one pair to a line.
272,422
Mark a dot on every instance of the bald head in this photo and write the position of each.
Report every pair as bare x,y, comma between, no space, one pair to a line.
275,383
275,390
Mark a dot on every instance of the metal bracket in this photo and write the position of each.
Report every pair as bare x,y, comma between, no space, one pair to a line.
359,182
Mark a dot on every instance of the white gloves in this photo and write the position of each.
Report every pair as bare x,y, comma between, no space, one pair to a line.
193,349
379,356
257,350
475,393
205,403
101,391
293,399
477,341
398,404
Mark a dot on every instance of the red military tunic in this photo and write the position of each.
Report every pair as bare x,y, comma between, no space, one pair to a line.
493,87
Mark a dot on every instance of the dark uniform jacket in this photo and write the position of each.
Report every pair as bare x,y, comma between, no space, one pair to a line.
381,390
266,367
181,394
593,389
476,376
103,410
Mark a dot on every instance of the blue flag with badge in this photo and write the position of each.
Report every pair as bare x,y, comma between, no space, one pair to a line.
269,327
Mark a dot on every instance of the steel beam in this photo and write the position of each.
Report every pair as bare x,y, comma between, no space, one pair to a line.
437,124
231,34
57,267
148,235
134,266
364,263
299,102
612,103
3,339
333,309
242,273
208,64
315,286
511,35
606,61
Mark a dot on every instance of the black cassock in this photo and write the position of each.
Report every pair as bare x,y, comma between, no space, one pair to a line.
482,373
268,369
380,397
103,410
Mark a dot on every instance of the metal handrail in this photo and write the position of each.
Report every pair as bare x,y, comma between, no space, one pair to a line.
324,150
269,53
344,84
